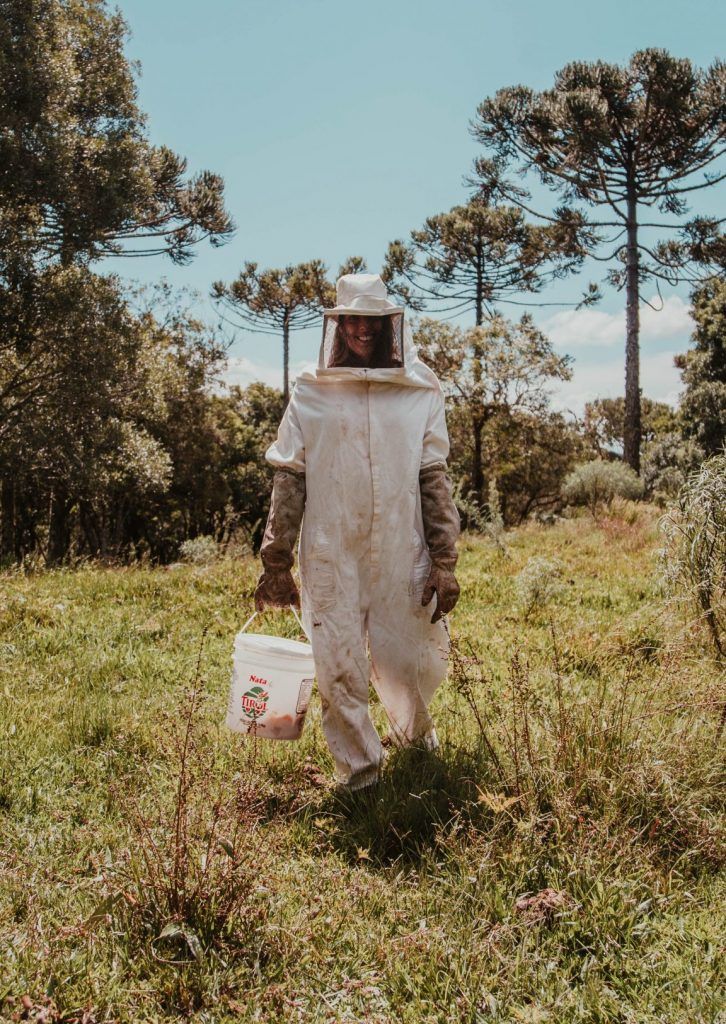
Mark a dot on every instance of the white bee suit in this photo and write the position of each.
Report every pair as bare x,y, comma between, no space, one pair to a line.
361,436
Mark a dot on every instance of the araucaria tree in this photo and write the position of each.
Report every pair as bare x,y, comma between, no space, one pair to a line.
480,254
632,143
80,179
277,301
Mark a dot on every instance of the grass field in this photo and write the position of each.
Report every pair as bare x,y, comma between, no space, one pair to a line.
558,859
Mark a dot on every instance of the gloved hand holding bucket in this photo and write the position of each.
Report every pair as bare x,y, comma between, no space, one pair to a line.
272,680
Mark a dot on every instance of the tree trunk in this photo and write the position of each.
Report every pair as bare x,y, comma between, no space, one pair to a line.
286,362
477,471
7,518
478,417
632,425
59,534
479,304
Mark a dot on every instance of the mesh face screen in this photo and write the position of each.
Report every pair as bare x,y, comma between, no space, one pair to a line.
375,342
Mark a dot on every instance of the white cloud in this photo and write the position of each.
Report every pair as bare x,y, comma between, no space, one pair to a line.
591,327
243,371
606,379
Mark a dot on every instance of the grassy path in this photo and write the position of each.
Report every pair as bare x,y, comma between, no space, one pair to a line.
559,859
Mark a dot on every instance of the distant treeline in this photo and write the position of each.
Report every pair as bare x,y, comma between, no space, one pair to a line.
124,446
116,440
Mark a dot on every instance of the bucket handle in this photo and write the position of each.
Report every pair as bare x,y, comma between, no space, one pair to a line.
255,614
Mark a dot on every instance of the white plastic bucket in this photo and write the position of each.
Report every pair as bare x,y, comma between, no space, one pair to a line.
272,679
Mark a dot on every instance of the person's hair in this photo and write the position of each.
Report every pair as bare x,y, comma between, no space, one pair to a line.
383,355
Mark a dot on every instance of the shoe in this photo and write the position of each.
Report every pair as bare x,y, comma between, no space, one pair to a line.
343,788
428,740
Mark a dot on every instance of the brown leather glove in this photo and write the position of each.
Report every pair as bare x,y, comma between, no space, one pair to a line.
441,528
276,590
443,583
276,587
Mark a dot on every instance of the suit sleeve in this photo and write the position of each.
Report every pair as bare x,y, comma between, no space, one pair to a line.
436,437
287,451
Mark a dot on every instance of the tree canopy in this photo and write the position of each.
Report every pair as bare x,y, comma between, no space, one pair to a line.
631,144
80,179
703,368
478,255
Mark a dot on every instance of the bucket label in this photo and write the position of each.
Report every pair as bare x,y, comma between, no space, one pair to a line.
254,702
303,699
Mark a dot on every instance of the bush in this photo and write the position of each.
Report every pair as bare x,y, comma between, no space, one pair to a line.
487,520
199,550
187,885
539,583
597,483
694,558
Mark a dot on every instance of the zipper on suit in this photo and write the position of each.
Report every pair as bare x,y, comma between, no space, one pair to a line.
376,485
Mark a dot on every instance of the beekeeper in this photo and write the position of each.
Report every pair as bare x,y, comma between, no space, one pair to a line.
362,451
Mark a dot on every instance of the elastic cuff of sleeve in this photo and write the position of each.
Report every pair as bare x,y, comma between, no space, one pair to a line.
276,565
434,467
445,562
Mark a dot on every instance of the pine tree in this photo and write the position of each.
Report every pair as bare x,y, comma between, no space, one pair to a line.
476,256
622,141
276,301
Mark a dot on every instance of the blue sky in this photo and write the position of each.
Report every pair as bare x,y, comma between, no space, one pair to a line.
340,126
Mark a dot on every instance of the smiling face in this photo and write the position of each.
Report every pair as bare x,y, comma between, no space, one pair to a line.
363,334
356,340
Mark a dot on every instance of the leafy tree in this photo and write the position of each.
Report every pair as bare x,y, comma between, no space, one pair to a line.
621,140
477,255
113,455
277,301
128,451
604,423
85,446
703,368
495,377
532,453
82,380
668,461
248,419
80,179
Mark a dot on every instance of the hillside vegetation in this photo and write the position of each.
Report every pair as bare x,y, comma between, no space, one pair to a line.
558,859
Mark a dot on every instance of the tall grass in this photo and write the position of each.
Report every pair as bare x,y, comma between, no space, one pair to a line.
559,858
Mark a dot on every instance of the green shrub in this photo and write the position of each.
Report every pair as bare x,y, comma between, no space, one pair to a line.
199,550
694,557
539,583
595,484
487,519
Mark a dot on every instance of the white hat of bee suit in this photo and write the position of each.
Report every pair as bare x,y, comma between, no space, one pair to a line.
362,295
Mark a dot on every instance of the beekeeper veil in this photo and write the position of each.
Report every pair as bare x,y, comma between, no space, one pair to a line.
364,328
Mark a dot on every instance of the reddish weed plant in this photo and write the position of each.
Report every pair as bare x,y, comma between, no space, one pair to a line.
189,880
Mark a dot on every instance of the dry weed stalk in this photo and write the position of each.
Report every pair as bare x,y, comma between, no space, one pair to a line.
189,877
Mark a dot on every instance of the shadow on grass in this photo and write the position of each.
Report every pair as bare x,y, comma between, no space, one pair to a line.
400,818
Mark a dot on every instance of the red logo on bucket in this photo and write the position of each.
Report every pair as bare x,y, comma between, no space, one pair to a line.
254,702
258,680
